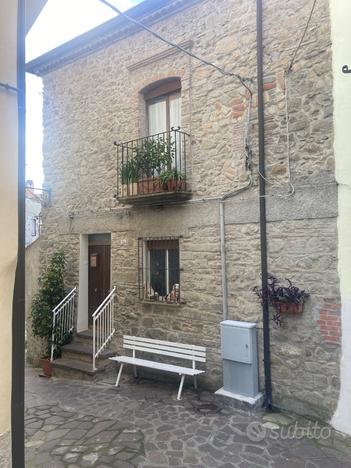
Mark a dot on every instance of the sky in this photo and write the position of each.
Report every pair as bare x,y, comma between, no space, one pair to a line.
60,21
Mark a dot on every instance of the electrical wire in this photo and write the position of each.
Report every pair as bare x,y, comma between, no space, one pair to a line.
292,188
176,46
289,68
8,87
216,67
286,73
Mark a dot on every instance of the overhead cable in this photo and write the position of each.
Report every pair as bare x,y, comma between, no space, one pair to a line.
289,68
182,49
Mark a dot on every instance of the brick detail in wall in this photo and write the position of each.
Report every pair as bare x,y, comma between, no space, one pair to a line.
330,322
239,104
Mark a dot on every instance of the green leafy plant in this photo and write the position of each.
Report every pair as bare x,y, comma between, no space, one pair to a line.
129,171
51,293
153,156
279,293
171,174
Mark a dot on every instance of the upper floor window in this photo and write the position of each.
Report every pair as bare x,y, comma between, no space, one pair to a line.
163,103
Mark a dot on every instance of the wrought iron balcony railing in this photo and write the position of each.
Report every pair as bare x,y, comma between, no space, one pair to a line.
153,169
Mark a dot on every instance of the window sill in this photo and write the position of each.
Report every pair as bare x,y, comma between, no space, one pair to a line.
160,303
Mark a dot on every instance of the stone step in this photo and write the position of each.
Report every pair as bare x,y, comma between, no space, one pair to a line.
83,351
79,370
86,335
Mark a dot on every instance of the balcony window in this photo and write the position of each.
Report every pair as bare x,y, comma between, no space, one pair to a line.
159,273
152,170
163,106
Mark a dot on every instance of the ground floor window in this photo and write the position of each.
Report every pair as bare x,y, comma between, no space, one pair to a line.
159,272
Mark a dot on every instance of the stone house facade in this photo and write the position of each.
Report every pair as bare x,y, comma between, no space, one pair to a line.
94,94
33,210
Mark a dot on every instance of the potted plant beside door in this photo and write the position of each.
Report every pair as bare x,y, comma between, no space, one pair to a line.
50,294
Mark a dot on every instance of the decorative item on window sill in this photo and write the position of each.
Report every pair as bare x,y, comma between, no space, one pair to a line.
284,299
153,296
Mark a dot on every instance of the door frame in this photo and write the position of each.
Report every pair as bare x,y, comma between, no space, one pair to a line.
83,297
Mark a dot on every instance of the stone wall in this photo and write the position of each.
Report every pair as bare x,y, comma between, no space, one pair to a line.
96,99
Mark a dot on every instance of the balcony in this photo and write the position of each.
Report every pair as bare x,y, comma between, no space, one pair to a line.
152,170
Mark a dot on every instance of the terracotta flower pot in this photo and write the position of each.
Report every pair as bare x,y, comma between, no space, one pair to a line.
149,185
174,185
46,365
290,308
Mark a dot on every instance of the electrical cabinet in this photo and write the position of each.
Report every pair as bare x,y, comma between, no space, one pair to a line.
239,354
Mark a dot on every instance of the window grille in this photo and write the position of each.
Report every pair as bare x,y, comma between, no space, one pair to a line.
159,272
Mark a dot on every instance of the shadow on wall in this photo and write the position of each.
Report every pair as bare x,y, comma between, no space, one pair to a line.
34,346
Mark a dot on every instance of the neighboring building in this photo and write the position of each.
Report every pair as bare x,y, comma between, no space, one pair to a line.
162,249
33,213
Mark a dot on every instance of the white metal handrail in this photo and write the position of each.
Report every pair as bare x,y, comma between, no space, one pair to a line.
103,329
63,320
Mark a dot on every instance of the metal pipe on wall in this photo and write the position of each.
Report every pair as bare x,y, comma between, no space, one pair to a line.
223,261
263,221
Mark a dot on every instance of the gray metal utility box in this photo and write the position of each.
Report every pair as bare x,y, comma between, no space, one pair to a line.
239,353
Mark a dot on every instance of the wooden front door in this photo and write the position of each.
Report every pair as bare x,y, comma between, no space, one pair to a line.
99,275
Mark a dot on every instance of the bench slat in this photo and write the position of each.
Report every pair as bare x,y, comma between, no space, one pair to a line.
165,353
156,365
163,342
154,346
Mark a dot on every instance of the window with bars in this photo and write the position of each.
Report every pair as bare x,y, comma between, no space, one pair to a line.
159,272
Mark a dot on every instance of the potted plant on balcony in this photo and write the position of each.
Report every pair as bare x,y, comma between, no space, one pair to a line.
152,157
129,178
283,298
51,293
173,179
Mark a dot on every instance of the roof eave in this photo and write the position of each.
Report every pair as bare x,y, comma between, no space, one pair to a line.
150,11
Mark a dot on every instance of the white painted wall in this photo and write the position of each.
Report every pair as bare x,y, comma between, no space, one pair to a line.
8,200
82,318
33,210
341,40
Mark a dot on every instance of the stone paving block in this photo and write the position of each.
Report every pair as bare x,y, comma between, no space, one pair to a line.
127,431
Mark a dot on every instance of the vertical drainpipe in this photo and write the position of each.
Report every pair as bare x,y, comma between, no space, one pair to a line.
263,222
18,309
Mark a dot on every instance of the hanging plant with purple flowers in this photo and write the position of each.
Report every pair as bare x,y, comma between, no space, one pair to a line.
283,298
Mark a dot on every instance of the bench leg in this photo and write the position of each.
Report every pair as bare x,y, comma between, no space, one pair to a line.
135,371
119,374
180,387
195,382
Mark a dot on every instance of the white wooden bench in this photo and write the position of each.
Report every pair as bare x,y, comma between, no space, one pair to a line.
165,348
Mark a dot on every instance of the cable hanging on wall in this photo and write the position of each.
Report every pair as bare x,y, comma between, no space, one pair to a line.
8,87
287,71
242,80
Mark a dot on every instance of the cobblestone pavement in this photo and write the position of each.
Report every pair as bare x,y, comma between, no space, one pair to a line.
4,450
141,424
